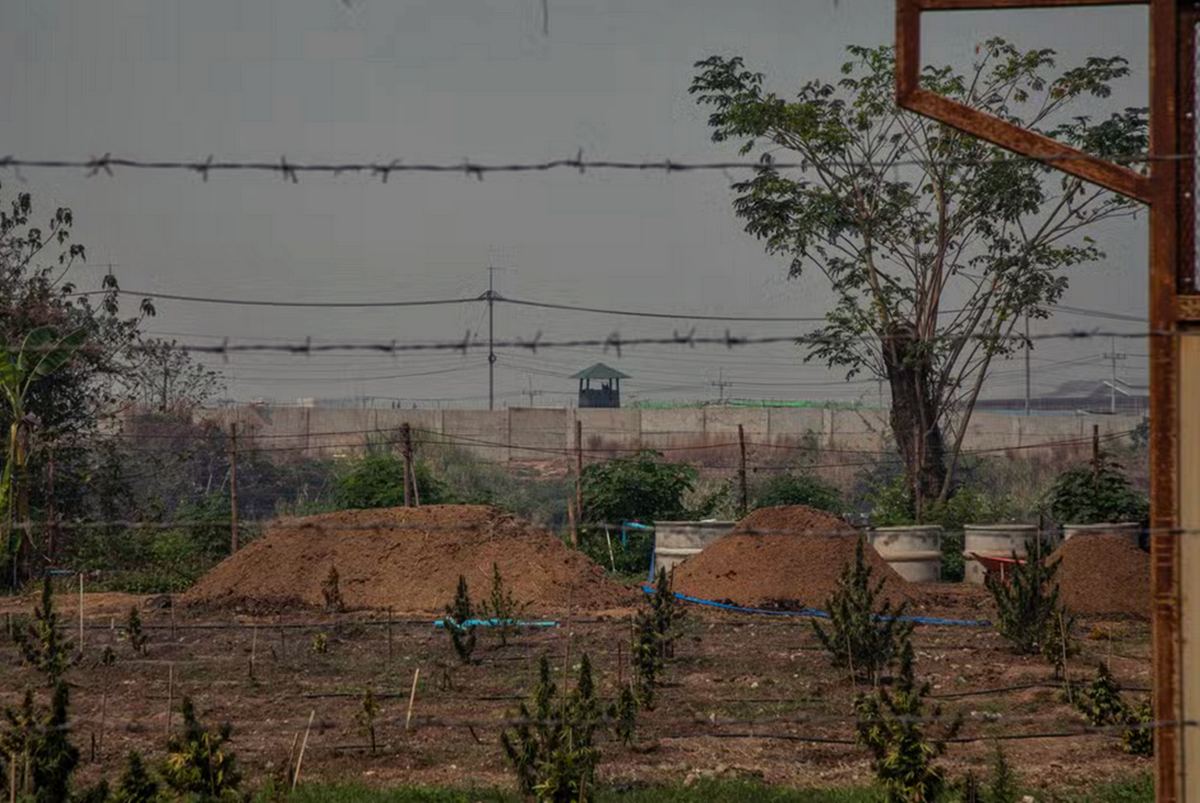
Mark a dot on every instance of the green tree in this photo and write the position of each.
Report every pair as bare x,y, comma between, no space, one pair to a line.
41,353
642,487
377,480
62,352
906,217
167,380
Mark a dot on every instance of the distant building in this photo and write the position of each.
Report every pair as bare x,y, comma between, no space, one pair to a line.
1079,396
606,392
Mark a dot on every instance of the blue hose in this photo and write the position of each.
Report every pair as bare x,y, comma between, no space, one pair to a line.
815,613
497,623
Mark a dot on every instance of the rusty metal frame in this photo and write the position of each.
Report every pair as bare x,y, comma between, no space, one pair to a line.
1168,190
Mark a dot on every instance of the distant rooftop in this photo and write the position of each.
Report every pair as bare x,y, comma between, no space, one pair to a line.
600,371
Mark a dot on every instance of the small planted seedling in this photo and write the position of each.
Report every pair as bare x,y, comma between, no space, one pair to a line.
458,613
502,606
133,631
332,592
367,716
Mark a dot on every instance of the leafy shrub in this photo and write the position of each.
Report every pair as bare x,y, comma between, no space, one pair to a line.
891,506
890,503
199,761
1102,704
642,487
628,558
550,748
864,635
470,479
1138,737
1100,701
1095,494
1028,610
462,635
377,480
893,725
798,489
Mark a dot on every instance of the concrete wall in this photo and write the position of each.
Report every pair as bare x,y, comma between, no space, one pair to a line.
705,435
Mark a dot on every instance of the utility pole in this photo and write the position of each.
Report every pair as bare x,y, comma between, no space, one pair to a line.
720,385
578,478
1113,356
410,481
743,491
491,299
531,392
1028,373
233,500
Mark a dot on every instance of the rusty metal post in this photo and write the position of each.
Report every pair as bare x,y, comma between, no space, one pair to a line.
233,489
1174,312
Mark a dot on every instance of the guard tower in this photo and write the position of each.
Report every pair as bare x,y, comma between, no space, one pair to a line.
606,392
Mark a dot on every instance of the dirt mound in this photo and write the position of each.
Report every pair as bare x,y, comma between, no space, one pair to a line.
781,554
408,559
1104,574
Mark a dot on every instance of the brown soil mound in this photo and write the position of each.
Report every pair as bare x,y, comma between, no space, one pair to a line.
408,559
781,554
1104,574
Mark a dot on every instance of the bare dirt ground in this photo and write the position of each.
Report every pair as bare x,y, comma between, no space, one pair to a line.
746,694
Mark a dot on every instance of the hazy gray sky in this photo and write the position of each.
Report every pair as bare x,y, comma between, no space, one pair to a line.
448,79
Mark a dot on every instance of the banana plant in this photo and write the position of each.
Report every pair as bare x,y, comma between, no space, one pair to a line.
42,353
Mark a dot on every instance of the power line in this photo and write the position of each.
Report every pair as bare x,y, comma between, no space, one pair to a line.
691,316
493,296
247,302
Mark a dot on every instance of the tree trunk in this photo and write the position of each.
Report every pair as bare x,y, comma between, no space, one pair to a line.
914,416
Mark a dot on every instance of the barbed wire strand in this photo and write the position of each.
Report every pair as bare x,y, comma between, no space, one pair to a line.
290,170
